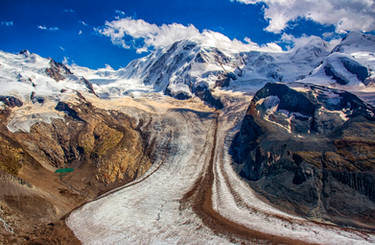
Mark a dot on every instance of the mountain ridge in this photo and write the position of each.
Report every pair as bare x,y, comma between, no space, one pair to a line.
225,145
186,67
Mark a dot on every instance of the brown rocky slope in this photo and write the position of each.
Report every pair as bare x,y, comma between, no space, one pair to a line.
103,147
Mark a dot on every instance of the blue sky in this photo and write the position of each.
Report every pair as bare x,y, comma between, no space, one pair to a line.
74,29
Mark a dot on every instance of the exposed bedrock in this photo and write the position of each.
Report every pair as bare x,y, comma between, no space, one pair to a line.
206,96
104,148
310,150
11,101
57,71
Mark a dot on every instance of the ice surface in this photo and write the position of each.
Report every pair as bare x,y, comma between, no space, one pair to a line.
150,210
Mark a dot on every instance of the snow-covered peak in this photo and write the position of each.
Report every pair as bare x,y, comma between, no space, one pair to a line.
296,64
177,70
310,50
350,65
191,68
186,66
27,76
356,42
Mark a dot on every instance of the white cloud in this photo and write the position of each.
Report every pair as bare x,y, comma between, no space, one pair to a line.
119,12
83,23
155,36
62,48
80,32
304,40
328,34
69,11
348,15
53,28
7,23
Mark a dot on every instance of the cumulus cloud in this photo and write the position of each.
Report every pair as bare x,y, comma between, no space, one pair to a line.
53,28
349,15
296,42
126,31
7,23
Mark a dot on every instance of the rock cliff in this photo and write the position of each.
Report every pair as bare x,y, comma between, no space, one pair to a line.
310,150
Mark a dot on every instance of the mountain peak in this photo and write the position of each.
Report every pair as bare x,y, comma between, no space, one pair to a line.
356,42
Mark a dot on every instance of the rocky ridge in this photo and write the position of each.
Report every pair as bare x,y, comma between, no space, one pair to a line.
309,149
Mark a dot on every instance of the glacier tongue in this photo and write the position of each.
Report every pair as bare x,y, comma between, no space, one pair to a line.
149,210
192,194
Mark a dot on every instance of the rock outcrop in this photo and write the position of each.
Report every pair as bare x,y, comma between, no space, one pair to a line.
57,70
310,150
11,101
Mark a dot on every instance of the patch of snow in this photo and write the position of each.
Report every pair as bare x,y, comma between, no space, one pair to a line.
22,119
271,103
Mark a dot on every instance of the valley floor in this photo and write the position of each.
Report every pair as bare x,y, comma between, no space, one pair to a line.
192,195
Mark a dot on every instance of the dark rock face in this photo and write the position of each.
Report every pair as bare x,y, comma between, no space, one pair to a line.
36,99
296,149
179,96
225,80
11,101
205,95
355,68
350,65
89,86
199,58
57,70
290,99
62,106
330,71
25,52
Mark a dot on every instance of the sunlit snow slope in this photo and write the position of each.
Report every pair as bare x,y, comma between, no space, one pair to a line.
186,67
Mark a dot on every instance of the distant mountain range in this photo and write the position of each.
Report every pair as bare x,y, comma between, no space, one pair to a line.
187,68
